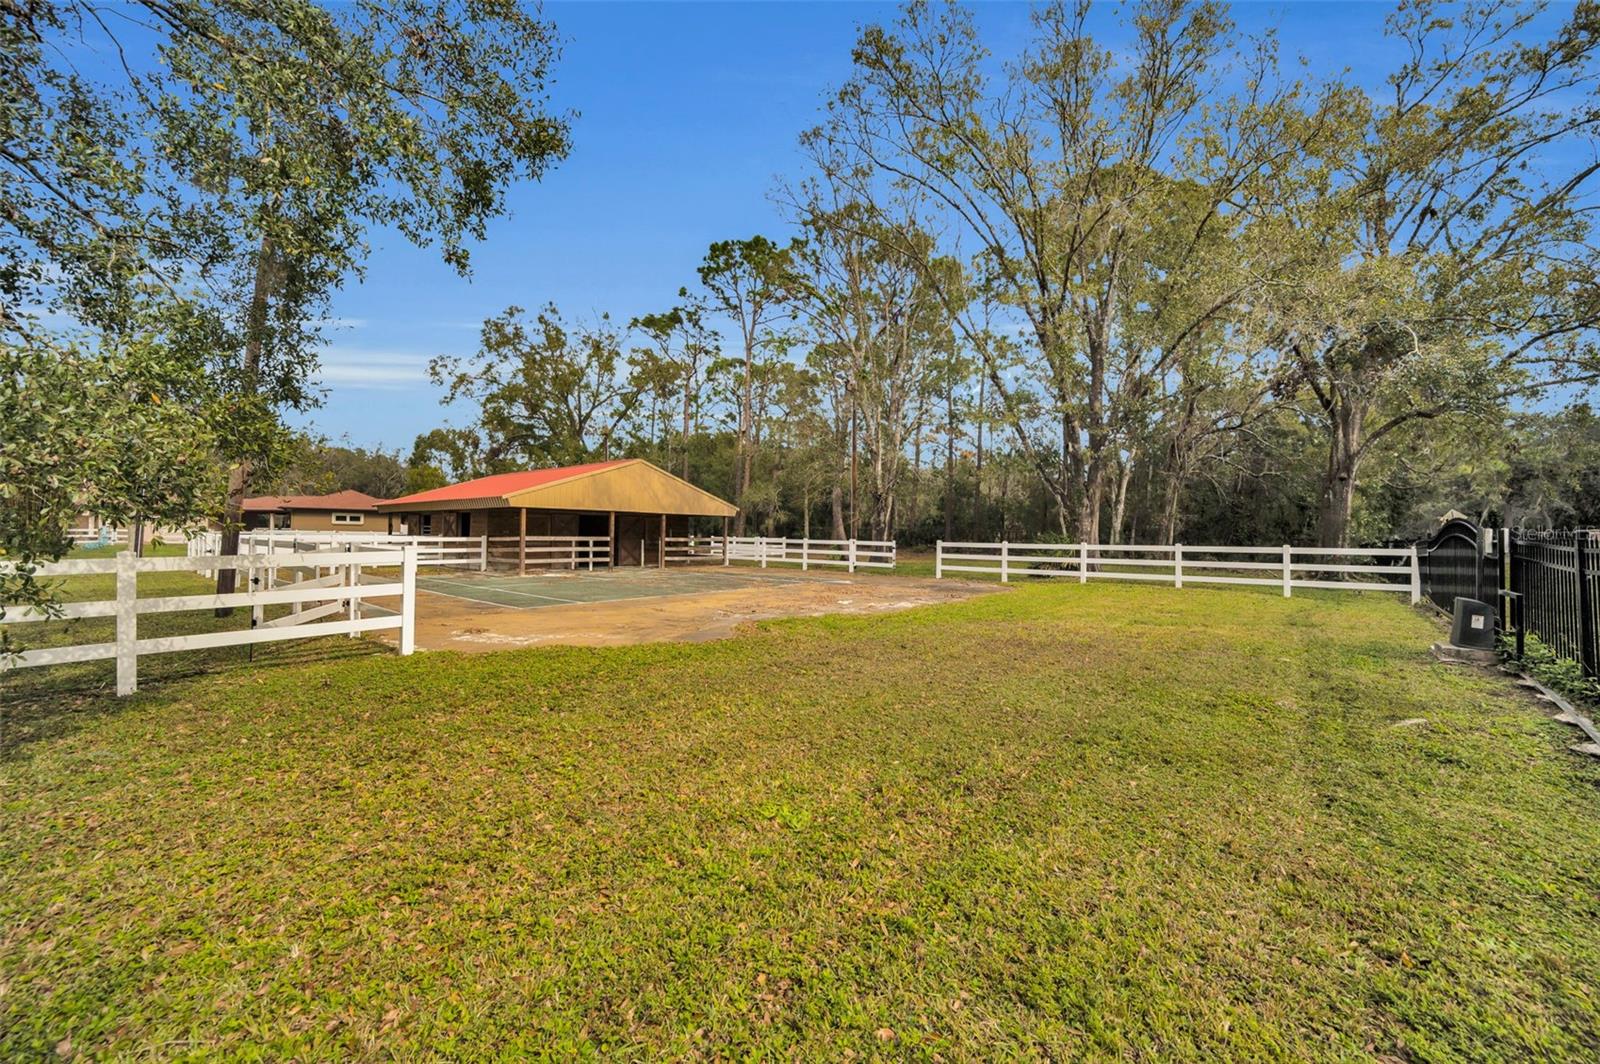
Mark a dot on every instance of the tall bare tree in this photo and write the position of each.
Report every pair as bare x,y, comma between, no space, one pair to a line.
1103,199
1450,265
749,281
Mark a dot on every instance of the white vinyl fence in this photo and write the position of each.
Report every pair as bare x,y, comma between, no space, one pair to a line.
333,590
1178,564
97,535
470,552
205,544
557,552
693,549
851,554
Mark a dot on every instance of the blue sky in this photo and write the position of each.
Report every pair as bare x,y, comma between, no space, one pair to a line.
687,115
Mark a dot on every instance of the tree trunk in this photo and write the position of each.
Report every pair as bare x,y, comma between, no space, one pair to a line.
1171,495
836,501
746,445
1178,461
854,525
950,461
687,428
1345,422
977,458
239,475
1119,498
1094,495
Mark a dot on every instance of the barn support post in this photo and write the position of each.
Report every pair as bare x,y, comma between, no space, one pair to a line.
661,545
611,541
522,541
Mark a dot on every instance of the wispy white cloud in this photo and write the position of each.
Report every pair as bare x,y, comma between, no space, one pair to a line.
345,367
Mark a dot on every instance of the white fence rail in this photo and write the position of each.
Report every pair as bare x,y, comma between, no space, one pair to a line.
95,536
851,554
1178,564
560,552
339,592
470,552
204,544
694,549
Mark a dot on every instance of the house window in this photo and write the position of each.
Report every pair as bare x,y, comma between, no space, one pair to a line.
349,519
426,523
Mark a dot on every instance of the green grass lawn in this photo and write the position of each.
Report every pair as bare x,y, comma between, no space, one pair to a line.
1062,821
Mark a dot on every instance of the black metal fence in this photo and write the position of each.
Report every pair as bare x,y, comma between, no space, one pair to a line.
1546,584
1556,576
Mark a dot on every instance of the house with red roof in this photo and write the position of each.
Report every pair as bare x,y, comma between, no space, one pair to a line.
340,511
630,504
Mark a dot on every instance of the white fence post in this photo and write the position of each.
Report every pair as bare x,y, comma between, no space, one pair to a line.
1416,577
805,555
938,559
1288,585
127,623
408,598
1083,563
761,549
1005,561
1177,565
852,555
258,612
483,555
352,577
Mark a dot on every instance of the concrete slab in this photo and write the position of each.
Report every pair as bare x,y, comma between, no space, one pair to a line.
672,606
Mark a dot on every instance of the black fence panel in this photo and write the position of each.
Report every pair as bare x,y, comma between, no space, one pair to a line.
1453,564
1557,575
1545,584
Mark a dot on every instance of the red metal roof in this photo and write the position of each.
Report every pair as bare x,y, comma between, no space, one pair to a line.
348,499
501,484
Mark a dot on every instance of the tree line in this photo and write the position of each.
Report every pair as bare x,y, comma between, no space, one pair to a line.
1163,293
1179,288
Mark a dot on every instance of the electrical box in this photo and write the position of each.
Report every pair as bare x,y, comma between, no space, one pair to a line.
1473,626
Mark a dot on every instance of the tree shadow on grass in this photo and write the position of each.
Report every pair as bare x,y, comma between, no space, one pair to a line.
47,703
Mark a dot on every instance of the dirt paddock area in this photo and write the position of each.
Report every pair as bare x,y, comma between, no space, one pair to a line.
490,611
